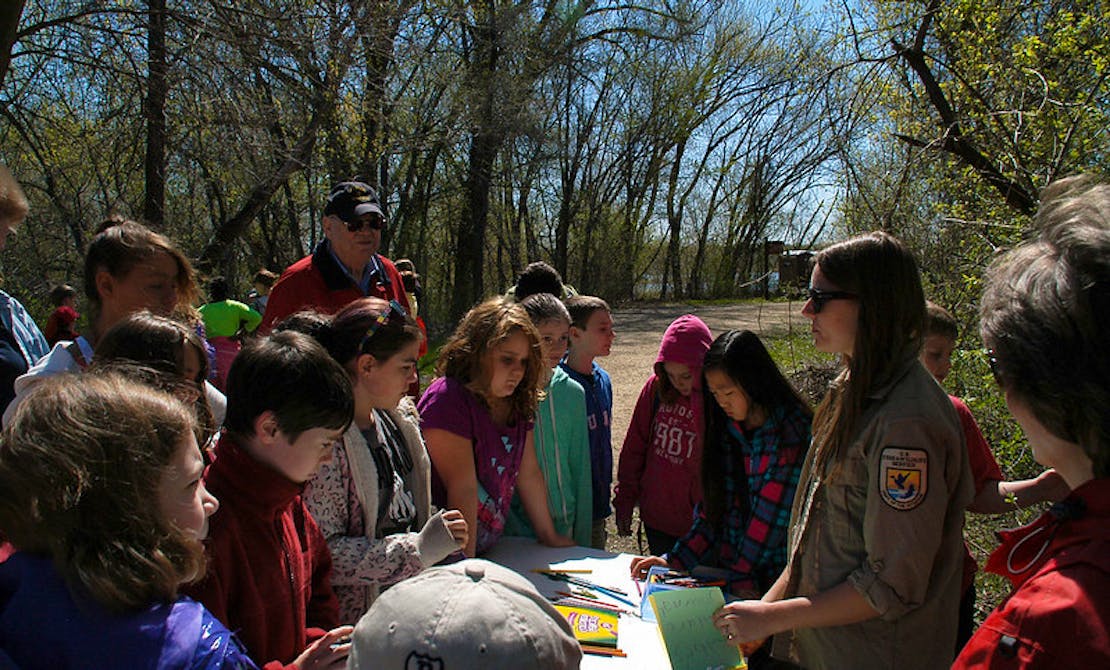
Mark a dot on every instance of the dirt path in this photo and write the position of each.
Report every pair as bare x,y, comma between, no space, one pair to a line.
640,327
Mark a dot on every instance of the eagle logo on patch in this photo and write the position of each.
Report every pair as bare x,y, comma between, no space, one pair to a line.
905,477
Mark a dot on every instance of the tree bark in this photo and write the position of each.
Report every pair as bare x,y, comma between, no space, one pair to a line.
10,12
469,285
154,202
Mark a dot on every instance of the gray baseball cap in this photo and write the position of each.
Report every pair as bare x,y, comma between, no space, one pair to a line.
472,615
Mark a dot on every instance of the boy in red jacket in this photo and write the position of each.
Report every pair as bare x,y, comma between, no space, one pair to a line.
269,567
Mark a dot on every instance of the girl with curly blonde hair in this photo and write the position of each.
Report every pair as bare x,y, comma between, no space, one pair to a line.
478,420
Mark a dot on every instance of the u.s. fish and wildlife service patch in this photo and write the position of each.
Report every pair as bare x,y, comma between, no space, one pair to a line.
905,477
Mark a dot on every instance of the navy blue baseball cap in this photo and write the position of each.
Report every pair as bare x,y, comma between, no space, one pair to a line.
350,200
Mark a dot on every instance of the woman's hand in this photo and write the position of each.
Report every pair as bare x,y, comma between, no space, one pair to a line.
456,525
330,651
745,621
641,565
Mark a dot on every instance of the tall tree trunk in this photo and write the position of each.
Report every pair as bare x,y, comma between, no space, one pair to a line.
10,11
695,287
485,142
154,202
564,220
469,285
675,212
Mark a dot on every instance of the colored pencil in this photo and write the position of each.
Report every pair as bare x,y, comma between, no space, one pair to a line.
610,591
601,651
592,585
600,604
544,571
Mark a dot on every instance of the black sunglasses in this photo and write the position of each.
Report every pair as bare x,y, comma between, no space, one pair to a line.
373,221
819,297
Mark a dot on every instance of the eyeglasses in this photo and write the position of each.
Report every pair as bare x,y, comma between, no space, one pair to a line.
996,369
819,297
392,311
373,221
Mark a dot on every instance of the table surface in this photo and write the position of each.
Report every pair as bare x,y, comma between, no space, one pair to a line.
639,639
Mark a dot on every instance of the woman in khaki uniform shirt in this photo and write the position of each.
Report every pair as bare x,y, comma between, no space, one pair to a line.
876,530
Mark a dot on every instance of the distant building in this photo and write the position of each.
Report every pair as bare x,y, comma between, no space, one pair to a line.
795,266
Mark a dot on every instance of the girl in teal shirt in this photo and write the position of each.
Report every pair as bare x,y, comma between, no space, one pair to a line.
561,435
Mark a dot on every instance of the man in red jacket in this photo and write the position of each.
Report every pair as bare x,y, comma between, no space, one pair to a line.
345,265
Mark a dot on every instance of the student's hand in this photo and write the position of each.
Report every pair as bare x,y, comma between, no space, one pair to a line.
559,541
641,564
744,621
330,651
456,525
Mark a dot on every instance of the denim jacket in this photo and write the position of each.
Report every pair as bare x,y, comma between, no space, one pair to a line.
26,334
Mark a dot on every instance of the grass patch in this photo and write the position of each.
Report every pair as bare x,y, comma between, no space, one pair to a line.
794,351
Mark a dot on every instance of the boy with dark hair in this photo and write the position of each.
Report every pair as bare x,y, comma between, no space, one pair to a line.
539,277
993,495
269,566
592,335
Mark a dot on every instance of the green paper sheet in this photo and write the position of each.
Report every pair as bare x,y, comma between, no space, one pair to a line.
685,619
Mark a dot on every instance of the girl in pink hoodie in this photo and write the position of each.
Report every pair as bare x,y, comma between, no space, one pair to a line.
661,456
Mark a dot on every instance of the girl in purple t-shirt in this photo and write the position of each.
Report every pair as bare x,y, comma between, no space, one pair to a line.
477,423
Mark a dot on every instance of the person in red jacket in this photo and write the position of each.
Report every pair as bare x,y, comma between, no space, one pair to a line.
993,494
661,456
269,570
62,324
1044,316
344,266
